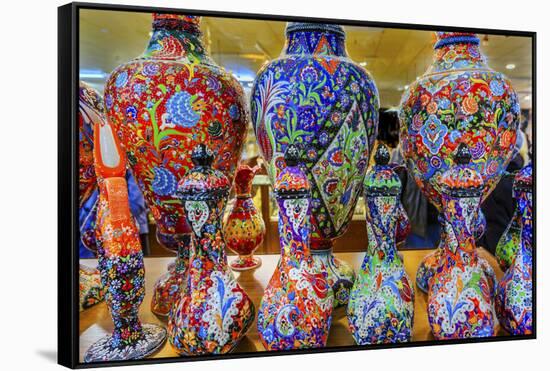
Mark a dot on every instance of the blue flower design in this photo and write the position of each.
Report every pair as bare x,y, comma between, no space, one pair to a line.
497,87
164,183
151,69
444,103
109,101
180,109
121,79
433,134
234,112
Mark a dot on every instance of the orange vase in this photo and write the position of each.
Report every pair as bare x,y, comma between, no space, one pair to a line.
244,228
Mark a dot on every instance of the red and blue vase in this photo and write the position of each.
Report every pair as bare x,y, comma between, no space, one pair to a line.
458,100
296,307
161,105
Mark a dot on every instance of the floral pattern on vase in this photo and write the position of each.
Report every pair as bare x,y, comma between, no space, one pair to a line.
120,259
90,111
460,300
162,104
514,299
509,242
381,304
458,100
314,96
212,312
295,310
244,228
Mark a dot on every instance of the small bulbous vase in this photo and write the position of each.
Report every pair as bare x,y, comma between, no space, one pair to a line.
244,228
295,311
212,312
381,304
514,298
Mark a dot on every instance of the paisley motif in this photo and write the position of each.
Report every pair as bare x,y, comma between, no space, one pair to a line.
197,215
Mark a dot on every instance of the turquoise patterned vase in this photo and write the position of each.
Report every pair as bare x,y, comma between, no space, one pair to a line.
381,304
316,97
509,242
514,299
295,311
459,99
460,300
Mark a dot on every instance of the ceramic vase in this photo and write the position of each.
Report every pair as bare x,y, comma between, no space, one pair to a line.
458,100
381,304
509,242
212,312
89,287
514,298
90,111
120,259
295,311
316,97
244,228
460,301
162,104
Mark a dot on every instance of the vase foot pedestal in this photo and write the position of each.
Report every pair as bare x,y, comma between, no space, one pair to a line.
102,351
340,275
245,263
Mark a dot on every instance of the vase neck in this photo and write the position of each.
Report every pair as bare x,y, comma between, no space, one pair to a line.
460,220
294,228
315,39
205,220
457,51
176,37
381,225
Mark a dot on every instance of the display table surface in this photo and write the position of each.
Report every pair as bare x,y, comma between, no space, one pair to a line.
96,321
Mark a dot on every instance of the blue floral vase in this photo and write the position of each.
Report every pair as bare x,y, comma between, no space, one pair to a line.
314,96
381,304
514,298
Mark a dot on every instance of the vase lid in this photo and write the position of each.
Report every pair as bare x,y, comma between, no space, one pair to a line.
203,182
321,27
291,181
460,180
523,179
447,38
381,180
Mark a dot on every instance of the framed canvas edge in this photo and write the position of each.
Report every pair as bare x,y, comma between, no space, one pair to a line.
68,62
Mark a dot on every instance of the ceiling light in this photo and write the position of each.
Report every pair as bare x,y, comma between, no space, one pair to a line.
92,74
510,66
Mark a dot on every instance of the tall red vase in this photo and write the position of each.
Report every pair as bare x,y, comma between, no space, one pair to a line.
162,104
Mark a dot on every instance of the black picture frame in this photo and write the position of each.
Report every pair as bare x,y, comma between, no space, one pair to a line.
68,233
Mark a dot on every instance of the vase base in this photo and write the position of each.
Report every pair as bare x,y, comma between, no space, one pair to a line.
245,263
101,350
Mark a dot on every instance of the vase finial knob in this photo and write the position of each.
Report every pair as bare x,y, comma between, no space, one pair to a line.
202,156
382,155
